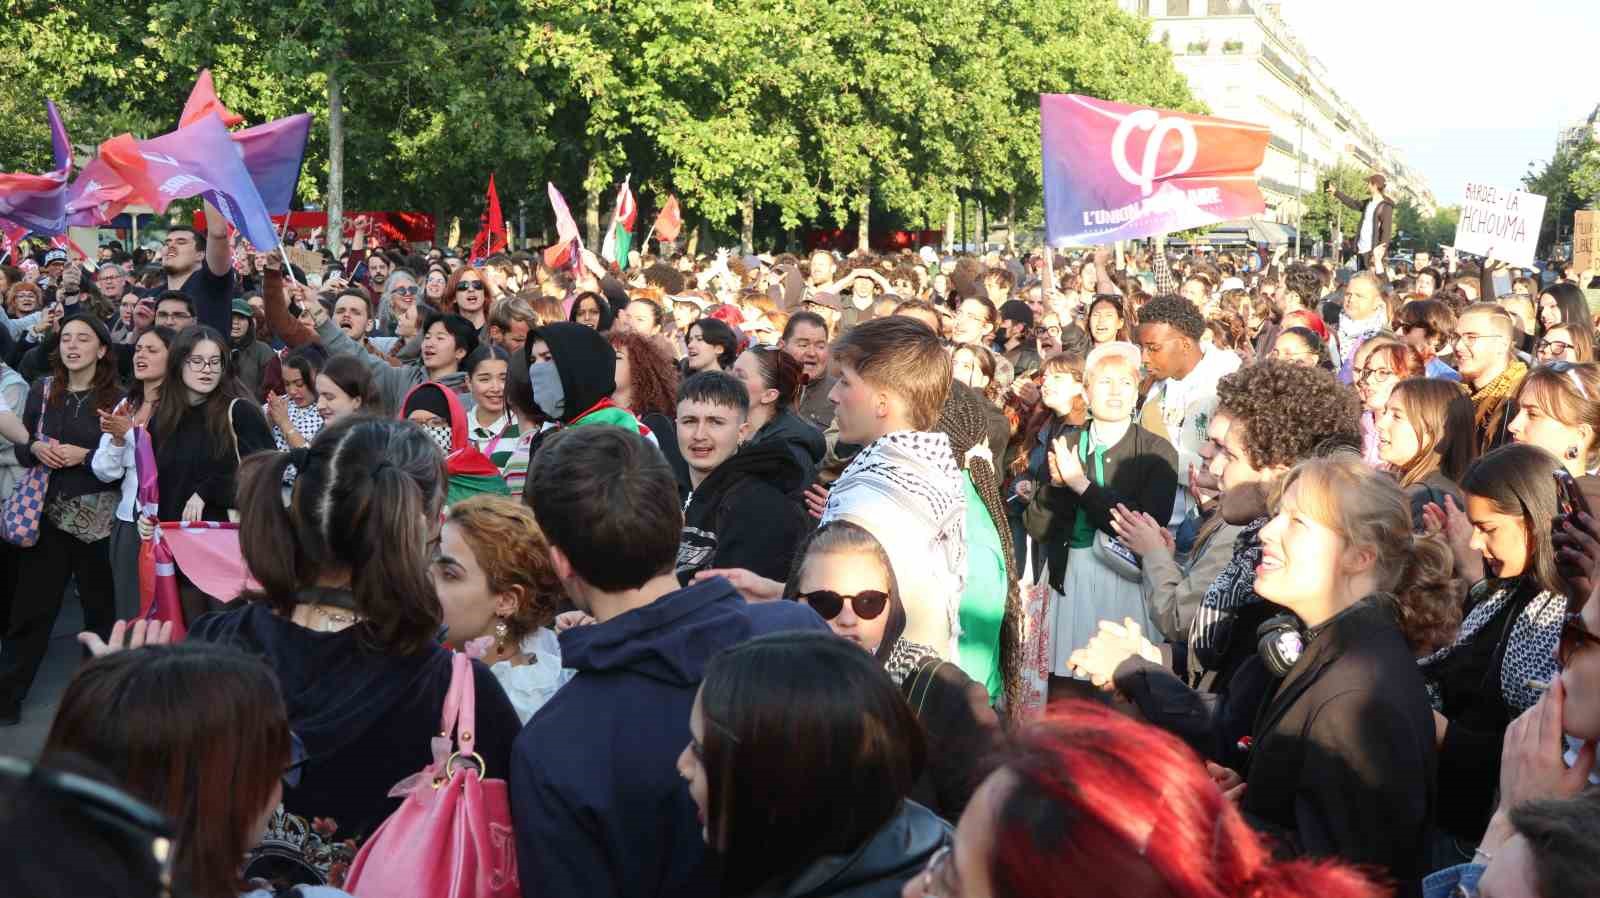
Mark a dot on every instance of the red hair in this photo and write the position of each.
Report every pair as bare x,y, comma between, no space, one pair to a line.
1403,358
447,302
1309,320
1105,805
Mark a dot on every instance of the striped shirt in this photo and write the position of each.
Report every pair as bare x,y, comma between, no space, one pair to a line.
506,446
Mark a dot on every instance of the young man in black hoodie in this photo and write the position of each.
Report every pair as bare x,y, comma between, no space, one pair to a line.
741,511
599,806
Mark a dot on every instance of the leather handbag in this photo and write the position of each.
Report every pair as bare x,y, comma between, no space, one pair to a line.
451,837
24,508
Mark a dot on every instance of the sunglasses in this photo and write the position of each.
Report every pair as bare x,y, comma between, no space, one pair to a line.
470,285
868,603
1574,633
403,291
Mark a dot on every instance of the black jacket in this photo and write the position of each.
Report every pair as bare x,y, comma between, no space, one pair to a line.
803,441
896,853
745,514
187,463
1141,472
1342,763
1382,217
585,361
75,421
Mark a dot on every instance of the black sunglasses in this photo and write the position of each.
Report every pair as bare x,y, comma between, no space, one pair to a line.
469,285
868,603
1574,633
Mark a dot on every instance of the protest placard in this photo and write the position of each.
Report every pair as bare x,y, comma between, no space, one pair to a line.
1500,223
309,261
1583,222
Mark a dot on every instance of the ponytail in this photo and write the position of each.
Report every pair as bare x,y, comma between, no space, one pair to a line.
1428,595
267,535
366,492
392,588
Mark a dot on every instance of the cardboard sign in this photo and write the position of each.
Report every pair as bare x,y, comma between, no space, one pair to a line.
309,261
1583,222
1500,224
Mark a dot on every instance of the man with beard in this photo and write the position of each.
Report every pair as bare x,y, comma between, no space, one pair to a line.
203,271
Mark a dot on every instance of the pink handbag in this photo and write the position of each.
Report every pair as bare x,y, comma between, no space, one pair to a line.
451,838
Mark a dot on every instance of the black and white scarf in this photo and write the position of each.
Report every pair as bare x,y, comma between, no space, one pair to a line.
1530,646
1234,588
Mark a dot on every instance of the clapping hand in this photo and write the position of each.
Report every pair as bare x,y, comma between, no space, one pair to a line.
1108,648
1531,765
1141,532
116,425
1066,469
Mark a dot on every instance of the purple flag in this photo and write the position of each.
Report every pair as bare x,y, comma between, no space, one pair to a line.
197,159
39,202
272,154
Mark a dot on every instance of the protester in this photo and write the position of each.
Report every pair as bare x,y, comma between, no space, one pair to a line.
1503,546
592,311
572,374
347,618
1378,365
1562,344
469,472
773,379
840,823
74,529
1179,405
114,459
1107,322
647,385
1563,305
743,509
345,387
447,340
198,731
805,339
494,427
254,363
1488,364
1090,803
608,504
293,413
499,590
1558,410
711,346
903,486
1111,461
1429,327
1426,439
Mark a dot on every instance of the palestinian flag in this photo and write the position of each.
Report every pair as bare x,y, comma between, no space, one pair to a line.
619,237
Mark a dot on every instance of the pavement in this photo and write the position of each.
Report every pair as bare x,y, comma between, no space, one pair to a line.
61,661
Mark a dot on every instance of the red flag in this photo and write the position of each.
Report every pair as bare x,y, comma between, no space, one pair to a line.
203,101
670,222
564,253
492,239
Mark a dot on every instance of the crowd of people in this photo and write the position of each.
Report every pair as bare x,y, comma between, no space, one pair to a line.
1143,571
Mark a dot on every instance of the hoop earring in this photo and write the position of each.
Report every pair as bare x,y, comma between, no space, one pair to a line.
1571,454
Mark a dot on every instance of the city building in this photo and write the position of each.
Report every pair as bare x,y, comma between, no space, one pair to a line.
1577,133
1243,61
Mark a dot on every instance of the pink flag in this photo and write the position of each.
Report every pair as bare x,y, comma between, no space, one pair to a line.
564,253
98,195
38,202
203,101
208,554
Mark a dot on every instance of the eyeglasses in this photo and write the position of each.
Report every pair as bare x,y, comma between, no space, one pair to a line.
1376,375
173,316
936,877
1554,347
403,291
1473,339
868,604
196,363
469,285
1574,634
1053,329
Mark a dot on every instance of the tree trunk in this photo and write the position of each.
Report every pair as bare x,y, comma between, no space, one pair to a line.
863,220
983,227
747,223
591,214
694,241
950,224
335,202
1011,223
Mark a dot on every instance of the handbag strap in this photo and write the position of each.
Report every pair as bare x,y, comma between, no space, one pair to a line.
921,682
44,403
460,705
235,431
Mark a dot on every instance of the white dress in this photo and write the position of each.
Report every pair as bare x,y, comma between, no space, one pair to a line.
530,685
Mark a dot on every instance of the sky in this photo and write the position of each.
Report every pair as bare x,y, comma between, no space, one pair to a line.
1465,89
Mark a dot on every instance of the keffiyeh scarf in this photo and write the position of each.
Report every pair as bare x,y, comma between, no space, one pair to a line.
1234,588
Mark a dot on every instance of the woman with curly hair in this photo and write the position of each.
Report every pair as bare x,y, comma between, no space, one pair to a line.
647,385
499,591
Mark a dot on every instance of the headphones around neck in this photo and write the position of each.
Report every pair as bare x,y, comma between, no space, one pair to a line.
1280,642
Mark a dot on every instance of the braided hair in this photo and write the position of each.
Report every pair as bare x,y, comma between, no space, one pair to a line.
966,422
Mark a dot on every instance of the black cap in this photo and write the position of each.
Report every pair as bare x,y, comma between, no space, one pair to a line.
1016,310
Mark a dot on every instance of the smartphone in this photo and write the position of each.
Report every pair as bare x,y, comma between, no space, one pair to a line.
1502,283
1569,498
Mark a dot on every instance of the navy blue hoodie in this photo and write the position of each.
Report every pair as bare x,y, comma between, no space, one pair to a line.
599,806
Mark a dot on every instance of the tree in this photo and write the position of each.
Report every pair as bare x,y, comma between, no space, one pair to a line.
1324,214
1555,183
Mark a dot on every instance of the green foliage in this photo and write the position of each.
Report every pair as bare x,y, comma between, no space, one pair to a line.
1585,177
1556,182
803,107
1323,212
